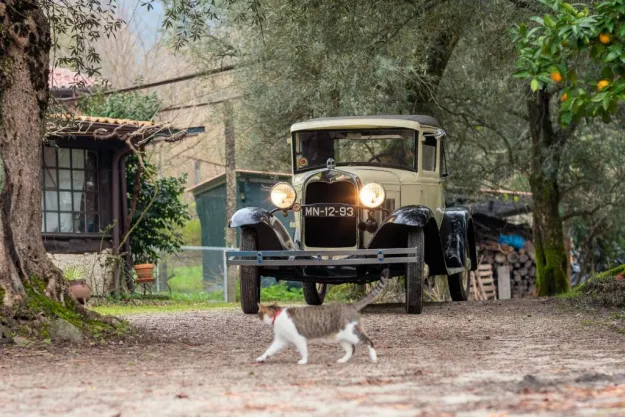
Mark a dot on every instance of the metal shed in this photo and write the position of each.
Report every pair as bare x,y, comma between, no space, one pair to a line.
253,189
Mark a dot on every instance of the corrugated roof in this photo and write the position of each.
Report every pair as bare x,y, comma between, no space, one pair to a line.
238,171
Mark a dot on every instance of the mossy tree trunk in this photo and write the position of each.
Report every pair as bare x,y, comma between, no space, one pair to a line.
24,57
547,146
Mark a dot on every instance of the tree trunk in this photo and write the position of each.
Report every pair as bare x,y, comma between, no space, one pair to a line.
231,192
551,257
24,57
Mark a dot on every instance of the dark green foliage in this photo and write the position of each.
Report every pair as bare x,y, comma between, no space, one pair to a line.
160,227
132,106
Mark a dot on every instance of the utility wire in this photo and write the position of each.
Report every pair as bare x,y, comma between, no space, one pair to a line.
157,83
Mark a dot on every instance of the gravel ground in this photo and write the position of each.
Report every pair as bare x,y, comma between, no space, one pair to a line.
518,357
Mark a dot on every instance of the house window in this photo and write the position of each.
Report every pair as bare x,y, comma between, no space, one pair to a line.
429,154
70,200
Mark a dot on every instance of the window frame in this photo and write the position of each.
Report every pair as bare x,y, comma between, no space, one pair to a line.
422,139
96,193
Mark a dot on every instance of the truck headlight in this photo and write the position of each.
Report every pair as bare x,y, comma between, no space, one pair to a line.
372,195
283,195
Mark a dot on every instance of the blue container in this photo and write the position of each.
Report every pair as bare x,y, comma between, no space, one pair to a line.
516,241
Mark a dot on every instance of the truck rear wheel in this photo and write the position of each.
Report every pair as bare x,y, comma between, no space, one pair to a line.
314,293
249,275
414,274
459,283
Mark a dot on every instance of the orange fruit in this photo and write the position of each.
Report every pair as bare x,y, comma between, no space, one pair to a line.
602,84
556,76
605,38
564,97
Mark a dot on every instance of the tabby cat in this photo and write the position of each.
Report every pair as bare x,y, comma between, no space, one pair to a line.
297,325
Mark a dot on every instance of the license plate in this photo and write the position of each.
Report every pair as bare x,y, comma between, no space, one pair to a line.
329,211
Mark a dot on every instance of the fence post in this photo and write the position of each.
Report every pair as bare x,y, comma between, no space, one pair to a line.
231,282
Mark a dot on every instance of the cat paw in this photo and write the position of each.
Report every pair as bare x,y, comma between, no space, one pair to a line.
260,359
342,360
302,362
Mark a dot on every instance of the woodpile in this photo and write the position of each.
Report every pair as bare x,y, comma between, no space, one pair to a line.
521,264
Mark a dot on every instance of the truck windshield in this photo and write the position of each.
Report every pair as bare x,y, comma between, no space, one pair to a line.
384,147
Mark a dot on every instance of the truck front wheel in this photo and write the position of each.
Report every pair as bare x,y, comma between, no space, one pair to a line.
414,273
249,275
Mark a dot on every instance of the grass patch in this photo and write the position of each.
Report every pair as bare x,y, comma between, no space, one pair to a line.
187,279
603,290
280,292
128,309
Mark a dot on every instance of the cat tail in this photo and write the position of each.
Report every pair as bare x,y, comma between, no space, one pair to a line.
374,292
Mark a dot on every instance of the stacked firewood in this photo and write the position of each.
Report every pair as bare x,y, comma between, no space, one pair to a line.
521,264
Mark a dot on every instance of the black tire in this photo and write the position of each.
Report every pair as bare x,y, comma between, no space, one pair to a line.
459,284
314,293
414,274
249,275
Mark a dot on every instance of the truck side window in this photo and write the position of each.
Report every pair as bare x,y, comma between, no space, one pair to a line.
429,154
443,162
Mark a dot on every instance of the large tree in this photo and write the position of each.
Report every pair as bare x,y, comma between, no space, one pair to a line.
574,62
29,30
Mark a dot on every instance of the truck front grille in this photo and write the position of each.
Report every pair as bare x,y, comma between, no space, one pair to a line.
331,232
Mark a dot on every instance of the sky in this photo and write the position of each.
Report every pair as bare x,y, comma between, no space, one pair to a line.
143,22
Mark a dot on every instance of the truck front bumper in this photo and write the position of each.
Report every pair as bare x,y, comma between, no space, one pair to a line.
322,258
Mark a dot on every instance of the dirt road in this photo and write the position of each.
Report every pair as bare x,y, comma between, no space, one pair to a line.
526,357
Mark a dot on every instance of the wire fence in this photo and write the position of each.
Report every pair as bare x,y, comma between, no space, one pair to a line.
194,270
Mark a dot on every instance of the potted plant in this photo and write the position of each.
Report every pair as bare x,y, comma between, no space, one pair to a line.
159,217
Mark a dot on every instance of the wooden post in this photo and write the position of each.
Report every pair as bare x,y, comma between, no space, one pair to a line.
231,194
503,282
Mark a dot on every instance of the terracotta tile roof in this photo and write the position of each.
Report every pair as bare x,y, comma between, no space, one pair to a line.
112,121
66,78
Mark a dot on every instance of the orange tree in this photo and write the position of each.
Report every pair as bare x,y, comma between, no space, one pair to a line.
573,56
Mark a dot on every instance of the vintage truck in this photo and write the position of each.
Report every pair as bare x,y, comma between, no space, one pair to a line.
367,193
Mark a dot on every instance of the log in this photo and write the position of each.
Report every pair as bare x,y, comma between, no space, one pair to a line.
517,265
500,258
513,257
523,258
528,264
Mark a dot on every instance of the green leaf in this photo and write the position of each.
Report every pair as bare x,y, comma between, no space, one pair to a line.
612,56
566,118
606,117
549,21
538,20
606,102
534,85
523,29
522,74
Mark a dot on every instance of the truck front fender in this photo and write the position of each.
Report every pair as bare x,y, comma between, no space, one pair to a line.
393,233
271,233
457,234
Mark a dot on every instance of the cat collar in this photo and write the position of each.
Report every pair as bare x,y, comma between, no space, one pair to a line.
275,316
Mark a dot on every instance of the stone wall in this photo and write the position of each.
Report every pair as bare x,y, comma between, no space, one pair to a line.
93,267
